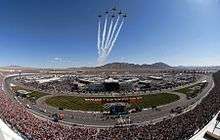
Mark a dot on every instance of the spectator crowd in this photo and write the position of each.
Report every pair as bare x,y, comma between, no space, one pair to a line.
181,127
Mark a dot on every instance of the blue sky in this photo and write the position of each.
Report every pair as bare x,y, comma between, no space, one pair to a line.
63,33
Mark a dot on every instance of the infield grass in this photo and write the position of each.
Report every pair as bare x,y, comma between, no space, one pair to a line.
79,103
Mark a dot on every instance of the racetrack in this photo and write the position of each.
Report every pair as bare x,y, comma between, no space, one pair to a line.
93,118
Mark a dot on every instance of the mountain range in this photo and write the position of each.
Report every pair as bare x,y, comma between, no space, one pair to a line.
117,65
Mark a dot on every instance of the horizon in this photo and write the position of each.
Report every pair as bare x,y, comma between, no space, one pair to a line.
63,34
186,66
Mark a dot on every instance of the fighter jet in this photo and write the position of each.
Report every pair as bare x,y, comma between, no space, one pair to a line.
114,9
120,13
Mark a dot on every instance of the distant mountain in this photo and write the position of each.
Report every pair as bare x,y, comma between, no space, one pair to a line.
159,65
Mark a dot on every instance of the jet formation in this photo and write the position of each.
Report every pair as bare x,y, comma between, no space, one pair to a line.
109,27
114,12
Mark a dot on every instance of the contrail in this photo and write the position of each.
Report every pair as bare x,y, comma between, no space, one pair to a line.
109,28
99,32
116,36
113,32
109,33
104,32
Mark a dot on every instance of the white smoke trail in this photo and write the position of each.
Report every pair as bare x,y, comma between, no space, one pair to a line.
109,33
112,34
101,60
99,33
104,32
116,36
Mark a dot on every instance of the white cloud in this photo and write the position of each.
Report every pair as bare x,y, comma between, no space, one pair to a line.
57,59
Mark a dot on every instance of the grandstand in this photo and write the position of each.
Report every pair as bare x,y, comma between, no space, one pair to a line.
213,127
32,126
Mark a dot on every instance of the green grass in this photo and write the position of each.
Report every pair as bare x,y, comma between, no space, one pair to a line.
34,95
189,91
78,103
73,103
158,99
16,88
184,90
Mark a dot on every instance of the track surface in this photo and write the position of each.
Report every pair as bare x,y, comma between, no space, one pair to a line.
94,119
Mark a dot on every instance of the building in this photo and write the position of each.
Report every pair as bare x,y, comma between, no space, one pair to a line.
111,85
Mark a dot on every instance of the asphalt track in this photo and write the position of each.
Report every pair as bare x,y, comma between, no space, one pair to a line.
96,120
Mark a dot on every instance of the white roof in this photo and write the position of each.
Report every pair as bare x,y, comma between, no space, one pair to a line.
156,77
47,80
109,80
132,80
23,91
12,85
